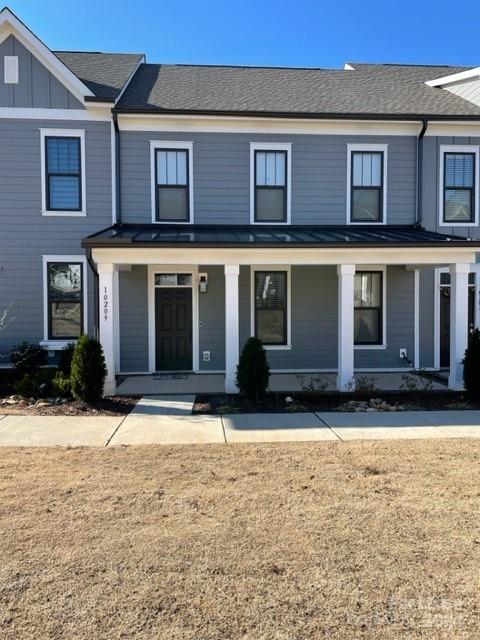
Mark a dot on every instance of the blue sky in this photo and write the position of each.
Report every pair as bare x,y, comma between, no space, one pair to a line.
287,33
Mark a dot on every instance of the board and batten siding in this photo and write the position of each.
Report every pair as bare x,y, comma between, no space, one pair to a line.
26,235
221,176
36,87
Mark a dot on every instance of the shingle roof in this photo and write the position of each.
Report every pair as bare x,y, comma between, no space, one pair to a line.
384,90
126,235
104,73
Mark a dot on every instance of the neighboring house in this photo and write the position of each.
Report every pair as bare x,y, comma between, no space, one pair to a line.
176,210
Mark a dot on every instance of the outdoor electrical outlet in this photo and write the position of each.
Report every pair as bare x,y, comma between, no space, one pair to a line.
206,356
403,353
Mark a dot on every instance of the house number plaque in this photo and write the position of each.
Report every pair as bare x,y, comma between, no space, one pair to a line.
106,306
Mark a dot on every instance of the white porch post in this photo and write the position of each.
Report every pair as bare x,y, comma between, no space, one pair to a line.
458,322
107,306
231,326
346,278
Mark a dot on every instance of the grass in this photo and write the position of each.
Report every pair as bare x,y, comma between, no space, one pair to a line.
377,540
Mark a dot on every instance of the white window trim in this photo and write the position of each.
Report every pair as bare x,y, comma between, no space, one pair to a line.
169,144
76,133
453,148
53,344
271,146
271,267
367,148
152,270
383,269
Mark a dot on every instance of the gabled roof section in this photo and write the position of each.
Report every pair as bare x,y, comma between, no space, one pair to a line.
459,76
11,25
361,91
105,74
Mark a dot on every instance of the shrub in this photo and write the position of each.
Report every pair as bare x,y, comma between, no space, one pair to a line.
65,359
61,385
28,386
88,370
471,366
253,371
315,384
28,358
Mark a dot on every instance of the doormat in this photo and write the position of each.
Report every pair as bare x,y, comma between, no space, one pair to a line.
170,376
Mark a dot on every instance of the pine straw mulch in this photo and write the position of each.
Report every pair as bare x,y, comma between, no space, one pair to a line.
377,540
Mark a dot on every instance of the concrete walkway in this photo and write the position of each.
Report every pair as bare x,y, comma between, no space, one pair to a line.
168,420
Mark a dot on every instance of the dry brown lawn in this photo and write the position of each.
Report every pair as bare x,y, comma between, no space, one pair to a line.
273,542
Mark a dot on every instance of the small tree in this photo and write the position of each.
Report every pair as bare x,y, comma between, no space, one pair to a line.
253,371
471,366
88,370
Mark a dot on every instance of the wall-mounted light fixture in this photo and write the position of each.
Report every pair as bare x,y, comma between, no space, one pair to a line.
203,282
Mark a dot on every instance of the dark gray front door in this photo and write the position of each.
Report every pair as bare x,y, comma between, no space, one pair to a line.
173,329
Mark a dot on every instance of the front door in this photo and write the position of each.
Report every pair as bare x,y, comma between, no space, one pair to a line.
173,329
445,314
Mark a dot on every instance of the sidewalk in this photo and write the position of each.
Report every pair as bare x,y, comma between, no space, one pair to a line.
168,420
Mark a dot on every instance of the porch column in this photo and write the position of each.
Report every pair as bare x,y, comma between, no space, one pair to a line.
346,277
458,322
107,303
231,326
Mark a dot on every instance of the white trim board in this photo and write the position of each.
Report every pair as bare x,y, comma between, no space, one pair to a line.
54,344
271,146
72,133
91,114
359,147
272,267
456,148
170,144
152,270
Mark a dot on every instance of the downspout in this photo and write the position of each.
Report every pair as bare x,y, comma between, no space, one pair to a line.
418,203
118,219
96,311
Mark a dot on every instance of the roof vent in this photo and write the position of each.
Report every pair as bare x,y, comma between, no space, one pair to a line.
10,68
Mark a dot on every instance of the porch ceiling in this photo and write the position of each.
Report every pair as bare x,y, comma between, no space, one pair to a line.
264,237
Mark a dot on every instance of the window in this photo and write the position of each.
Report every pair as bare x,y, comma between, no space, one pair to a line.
367,172
63,172
458,187
65,300
270,186
172,188
270,183
368,305
271,307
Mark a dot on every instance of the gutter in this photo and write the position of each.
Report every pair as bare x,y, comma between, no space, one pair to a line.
118,219
96,309
418,200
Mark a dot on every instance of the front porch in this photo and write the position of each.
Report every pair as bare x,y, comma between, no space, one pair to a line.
308,292
191,383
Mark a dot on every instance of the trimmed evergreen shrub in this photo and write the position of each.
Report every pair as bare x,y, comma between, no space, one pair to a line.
88,370
253,372
471,366
65,358
28,358
61,385
28,386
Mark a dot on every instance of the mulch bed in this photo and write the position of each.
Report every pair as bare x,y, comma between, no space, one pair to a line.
329,401
110,406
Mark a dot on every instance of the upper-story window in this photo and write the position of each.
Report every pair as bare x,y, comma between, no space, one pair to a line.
63,172
366,190
270,173
172,195
459,186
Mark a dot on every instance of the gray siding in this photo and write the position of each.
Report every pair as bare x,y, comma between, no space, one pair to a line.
212,319
37,87
133,319
26,235
427,310
221,169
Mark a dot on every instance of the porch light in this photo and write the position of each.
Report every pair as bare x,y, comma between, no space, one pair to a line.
203,282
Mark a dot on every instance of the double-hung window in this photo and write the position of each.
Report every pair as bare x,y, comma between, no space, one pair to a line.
459,186
368,308
271,307
270,176
63,179
172,188
366,184
65,300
